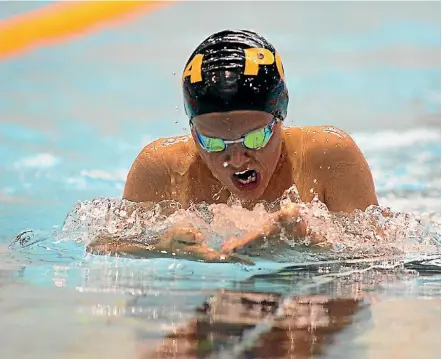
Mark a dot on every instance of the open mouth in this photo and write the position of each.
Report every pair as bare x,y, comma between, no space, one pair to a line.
246,178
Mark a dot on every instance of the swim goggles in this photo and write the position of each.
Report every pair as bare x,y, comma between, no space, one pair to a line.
253,140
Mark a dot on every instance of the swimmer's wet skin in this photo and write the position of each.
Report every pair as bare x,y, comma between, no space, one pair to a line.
236,99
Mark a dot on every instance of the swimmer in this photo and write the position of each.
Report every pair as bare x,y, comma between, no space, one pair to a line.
236,98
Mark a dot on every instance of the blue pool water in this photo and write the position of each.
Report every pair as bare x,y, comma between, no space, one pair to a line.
74,116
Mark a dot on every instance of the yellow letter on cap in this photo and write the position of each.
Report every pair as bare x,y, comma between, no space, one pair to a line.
193,69
279,66
256,57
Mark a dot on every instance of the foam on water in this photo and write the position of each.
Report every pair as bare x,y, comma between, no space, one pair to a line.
377,231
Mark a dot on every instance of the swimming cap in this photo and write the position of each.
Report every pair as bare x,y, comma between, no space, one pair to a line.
235,70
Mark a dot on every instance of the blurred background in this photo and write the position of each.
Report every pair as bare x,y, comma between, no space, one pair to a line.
84,86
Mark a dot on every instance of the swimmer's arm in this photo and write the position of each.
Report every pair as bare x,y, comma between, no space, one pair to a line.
346,178
148,177
179,242
127,247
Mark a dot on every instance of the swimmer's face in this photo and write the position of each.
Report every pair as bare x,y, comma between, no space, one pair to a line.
245,172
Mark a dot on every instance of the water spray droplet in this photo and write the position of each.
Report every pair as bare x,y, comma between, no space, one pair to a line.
217,195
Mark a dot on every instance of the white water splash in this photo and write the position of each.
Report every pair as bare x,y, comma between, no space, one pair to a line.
375,232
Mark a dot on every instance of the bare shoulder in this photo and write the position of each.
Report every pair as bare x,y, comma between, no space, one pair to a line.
326,144
339,147
150,173
314,134
343,172
168,146
317,140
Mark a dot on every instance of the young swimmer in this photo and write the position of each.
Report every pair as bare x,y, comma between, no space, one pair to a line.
236,99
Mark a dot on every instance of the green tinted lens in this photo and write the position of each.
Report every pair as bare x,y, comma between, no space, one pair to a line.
255,139
214,144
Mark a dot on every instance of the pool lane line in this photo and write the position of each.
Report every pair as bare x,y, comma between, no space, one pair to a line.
64,20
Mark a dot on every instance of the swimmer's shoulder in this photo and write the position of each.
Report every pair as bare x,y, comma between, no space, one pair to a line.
343,174
171,153
166,147
312,138
310,133
323,146
149,176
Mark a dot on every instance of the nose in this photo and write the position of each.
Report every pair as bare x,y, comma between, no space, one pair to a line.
237,156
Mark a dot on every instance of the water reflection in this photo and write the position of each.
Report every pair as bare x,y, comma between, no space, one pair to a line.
234,324
307,311
183,309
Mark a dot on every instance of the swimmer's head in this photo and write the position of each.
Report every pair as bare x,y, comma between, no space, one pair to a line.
236,99
235,70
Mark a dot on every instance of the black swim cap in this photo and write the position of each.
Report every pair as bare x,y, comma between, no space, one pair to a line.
235,70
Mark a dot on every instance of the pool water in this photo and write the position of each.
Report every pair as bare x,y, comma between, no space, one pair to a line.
74,116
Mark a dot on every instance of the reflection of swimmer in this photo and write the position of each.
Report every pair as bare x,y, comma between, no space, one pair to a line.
297,327
236,99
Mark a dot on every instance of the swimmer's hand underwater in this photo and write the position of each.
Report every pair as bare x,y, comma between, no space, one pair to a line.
185,242
287,222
